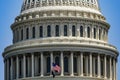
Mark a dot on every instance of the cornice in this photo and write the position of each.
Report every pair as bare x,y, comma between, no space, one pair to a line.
59,43
43,20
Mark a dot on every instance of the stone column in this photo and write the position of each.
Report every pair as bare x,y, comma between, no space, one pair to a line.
24,65
37,31
17,69
53,30
78,30
86,63
35,3
102,37
114,67
24,33
78,66
61,29
20,34
41,64
36,65
30,32
62,68
44,30
8,70
5,69
85,31
32,64
92,35
105,67
30,3
51,58
11,68
93,66
99,66
90,64
97,29
71,58
110,68
81,60
70,30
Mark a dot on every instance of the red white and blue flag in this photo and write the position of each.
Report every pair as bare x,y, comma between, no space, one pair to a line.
55,68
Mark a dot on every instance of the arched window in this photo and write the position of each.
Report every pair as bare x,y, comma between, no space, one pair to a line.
75,64
88,32
57,30
49,31
57,60
48,65
41,31
94,33
21,34
27,33
73,30
99,34
65,30
33,32
81,31
66,64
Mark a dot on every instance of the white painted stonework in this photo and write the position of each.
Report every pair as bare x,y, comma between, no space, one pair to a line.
71,33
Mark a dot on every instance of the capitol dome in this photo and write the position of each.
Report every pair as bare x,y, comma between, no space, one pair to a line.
71,33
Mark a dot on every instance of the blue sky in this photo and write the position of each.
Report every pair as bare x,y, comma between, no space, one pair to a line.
11,8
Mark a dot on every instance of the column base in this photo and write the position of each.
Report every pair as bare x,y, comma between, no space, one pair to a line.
81,75
98,76
41,75
61,75
105,77
72,75
90,75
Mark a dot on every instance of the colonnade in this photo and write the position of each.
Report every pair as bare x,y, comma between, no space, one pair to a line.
55,30
35,64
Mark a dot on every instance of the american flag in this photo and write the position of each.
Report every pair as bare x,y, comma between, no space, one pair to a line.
56,67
